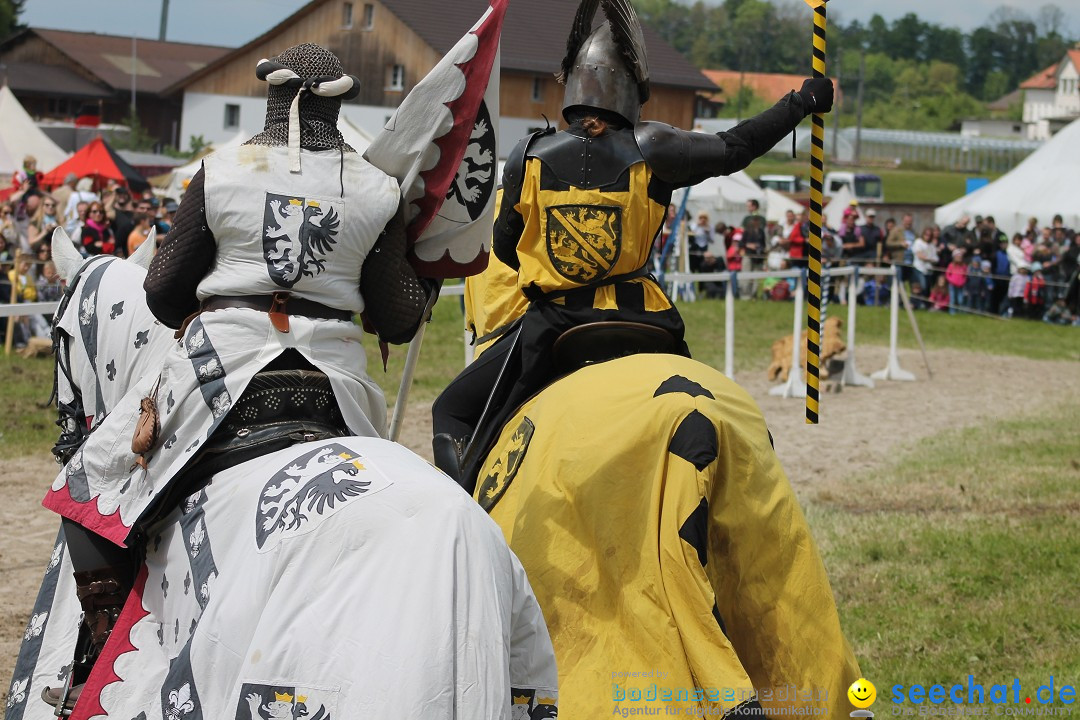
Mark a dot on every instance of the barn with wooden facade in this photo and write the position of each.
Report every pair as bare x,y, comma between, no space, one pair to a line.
391,44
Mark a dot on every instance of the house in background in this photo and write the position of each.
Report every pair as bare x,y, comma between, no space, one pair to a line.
392,44
58,74
1052,97
769,87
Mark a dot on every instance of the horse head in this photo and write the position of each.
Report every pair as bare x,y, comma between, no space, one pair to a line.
104,335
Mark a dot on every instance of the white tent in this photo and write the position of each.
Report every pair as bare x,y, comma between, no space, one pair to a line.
176,183
354,135
722,198
777,204
1042,186
19,137
834,211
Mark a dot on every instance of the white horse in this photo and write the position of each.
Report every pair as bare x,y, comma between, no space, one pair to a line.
332,579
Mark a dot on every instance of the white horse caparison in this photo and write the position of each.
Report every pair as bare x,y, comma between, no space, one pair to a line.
333,579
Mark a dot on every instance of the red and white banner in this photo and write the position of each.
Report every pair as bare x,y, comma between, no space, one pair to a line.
441,147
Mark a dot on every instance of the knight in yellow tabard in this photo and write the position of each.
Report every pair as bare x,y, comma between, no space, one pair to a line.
579,213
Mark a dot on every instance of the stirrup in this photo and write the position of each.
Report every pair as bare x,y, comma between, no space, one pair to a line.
447,452
63,698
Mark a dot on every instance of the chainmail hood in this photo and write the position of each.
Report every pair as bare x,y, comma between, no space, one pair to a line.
318,114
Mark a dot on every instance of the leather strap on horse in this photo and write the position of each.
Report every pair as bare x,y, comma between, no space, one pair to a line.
535,294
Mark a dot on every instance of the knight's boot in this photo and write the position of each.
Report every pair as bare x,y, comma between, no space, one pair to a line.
102,596
448,451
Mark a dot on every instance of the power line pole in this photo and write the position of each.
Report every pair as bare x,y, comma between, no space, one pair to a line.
164,20
858,119
836,117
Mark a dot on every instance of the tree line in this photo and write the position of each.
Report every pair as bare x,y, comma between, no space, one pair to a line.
918,75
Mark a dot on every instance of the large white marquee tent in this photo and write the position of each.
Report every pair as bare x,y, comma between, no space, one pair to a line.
19,137
1041,186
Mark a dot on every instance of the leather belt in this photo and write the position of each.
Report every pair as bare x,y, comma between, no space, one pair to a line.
279,306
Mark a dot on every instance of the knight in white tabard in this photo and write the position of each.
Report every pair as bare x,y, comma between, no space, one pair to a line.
276,246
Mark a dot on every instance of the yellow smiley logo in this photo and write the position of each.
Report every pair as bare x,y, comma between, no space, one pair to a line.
862,693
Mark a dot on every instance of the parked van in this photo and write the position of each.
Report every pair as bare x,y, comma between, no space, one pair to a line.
866,188
782,183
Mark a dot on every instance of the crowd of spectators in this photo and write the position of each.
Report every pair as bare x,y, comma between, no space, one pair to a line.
105,220
965,267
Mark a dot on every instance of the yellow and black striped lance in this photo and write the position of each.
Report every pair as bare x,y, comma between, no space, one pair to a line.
817,183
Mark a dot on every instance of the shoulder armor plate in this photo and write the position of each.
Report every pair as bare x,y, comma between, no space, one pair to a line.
586,162
666,149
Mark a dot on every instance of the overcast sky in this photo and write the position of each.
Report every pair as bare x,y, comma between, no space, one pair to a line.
234,22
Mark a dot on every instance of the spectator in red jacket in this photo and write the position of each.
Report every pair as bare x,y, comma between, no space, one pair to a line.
96,235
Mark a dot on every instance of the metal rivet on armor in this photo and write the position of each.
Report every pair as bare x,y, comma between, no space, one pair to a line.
243,432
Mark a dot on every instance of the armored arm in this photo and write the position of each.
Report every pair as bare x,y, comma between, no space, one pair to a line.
682,158
183,260
394,297
508,223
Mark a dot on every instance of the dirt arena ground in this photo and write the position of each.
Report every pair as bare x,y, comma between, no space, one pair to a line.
860,430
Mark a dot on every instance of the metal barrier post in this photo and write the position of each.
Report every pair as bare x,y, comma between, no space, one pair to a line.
852,376
794,386
892,370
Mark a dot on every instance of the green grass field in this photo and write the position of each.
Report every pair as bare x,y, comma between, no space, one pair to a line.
960,555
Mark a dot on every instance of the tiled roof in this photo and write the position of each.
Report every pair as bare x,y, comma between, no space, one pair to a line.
767,86
1045,80
534,36
157,65
54,80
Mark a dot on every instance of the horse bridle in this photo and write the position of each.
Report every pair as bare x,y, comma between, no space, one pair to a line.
71,416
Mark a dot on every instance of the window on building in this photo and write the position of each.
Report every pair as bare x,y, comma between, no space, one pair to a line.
538,89
346,15
59,107
395,77
369,16
232,117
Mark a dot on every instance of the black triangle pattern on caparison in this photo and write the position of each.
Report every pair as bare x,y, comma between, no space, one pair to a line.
695,440
695,531
679,384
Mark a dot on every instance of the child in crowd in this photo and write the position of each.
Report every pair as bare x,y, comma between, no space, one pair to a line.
734,258
1017,288
1035,293
1058,314
975,290
956,277
939,296
876,290
777,254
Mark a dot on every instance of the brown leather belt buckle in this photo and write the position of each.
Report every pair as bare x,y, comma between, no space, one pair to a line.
278,317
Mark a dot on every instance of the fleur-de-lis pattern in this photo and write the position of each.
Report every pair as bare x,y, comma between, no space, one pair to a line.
180,702
18,692
36,625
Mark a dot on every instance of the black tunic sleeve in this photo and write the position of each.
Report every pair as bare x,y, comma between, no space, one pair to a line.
394,297
183,260
681,158
508,223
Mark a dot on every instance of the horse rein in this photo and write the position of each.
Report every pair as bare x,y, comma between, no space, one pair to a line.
74,429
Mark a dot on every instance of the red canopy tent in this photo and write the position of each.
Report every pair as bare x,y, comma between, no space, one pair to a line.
99,161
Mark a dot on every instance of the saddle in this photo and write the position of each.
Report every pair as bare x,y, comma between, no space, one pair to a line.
600,341
278,409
